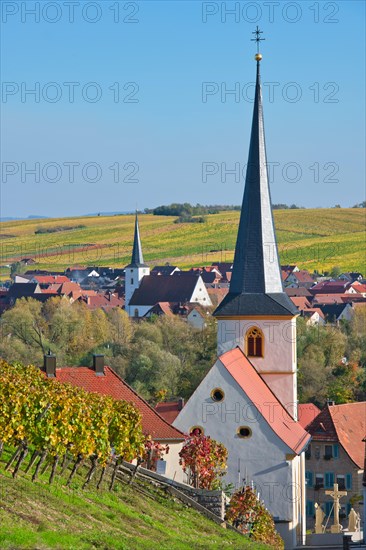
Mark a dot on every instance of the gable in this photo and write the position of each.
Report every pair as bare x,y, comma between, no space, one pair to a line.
179,287
245,388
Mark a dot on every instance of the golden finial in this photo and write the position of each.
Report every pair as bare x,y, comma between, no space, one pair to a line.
258,39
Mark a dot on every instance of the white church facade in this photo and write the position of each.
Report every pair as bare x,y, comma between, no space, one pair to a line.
248,400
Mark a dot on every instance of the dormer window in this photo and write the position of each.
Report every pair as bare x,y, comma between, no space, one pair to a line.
254,342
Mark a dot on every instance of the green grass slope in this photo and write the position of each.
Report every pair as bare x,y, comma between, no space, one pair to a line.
55,517
314,239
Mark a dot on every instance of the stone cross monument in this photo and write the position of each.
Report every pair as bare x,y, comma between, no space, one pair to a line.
336,496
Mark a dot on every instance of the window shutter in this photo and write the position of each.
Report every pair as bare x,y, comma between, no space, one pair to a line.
329,480
310,508
348,481
335,451
328,508
309,478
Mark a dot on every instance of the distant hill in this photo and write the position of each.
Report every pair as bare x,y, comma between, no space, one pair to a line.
312,238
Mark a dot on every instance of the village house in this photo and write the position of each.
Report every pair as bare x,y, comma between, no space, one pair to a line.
313,316
299,278
336,455
334,313
103,380
164,270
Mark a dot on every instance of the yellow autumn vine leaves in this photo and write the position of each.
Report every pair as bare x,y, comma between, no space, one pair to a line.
61,419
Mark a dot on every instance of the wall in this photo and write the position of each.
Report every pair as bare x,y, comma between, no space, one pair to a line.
135,274
173,468
279,353
200,294
341,465
261,457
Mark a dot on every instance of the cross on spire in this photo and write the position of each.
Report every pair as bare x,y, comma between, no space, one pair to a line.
257,38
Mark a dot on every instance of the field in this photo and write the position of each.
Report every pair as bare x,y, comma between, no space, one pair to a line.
313,239
55,517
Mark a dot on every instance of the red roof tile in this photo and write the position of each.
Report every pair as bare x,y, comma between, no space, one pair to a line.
345,424
111,384
300,302
303,276
332,298
169,411
306,413
328,287
50,279
277,417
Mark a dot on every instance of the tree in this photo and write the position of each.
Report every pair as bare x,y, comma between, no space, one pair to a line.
250,516
16,268
205,461
335,271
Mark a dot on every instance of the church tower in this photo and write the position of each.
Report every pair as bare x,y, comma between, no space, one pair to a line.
257,315
136,270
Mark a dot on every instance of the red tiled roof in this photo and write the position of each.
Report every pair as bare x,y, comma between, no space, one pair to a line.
169,411
332,298
306,413
111,384
103,301
161,308
49,279
217,294
301,291
277,417
359,287
328,287
300,302
345,424
303,276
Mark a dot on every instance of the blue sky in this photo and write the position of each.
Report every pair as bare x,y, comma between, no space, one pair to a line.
173,134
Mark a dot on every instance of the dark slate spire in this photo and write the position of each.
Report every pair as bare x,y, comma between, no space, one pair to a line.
256,283
137,259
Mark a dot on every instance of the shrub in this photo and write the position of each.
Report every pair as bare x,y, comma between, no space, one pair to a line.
249,515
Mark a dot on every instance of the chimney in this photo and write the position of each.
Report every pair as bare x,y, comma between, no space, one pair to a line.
180,403
49,365
98,364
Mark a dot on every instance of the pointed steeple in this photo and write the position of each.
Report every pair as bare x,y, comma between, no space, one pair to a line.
137,259
256,283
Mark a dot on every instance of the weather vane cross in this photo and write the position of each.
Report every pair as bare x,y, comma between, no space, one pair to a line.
257,38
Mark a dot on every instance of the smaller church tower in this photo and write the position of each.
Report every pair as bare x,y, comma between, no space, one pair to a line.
136,270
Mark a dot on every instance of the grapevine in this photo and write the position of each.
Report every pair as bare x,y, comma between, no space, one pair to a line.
61,423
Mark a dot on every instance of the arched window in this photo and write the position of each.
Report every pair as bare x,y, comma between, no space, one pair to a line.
254,342
136,312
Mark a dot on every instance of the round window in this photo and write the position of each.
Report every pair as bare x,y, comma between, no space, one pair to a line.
217,394
244,432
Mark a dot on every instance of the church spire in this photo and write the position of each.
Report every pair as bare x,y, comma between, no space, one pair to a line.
256,283
137,259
